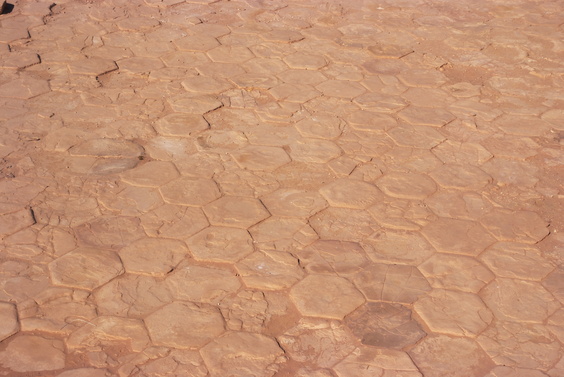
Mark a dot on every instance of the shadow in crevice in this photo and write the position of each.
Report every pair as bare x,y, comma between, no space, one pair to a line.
6,8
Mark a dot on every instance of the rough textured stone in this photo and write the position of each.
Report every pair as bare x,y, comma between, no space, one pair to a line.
8,320
515,260
370,361
408,186
327,256
520,226
184,325
220,244
153,256
293,203
325,296
462,237
238,212
30,353
269,270
190,191
397,247
338,194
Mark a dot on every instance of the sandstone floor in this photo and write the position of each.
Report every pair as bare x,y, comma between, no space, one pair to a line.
313,188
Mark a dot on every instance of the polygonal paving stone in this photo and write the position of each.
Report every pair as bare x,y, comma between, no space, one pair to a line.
110,231
180,362
206,85
151,174
282,233
400,214
24,88
384,325
518,226
445,356
406,185
338,193
220,244
297,93
522,125
18,59
12,222
269,270
242,354
84,372
183,59
427,97
422,78
294,203
255,81
461,177
107,148
452,312
555,324
30,353
390,51
184,325
343,224
92,66
510,172
320,126
458,205
325,296
554,283
196,42
302,77
190,191
340,88
332,256
238,212
260,158
320,342
188,103
221,141
456,272
391,282
457,236
139,65
380,102
518,344
85,268
130,295
301,60
202,284
519,300
174,221
8,320
153,256
371,361
371,121
425,116
515,260
502,371
282,35
416,136
410,160
107,331
314,150
397,247
230,54
451,152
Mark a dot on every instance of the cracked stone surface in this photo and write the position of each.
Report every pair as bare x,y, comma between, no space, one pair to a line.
250,188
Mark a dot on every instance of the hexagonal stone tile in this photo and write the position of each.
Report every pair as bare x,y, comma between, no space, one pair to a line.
341,88
391,282
384,325
555,324
180,362
343,224
445,356
332,256
140,65
370,121
174,221
406,185
202,284
11,222
282,35
458,205
84,372
107,148
465,177
110,231
425,116
230,54
269,270
427,97
282,233
188,103
220,244
255,81
519,300
314,150
371,361
184,325
294,203
8,320
456,272
515,260
260,158
462,237
501,371
522,125
196,42
107,331
325,296
510,172
416,136
153,256
397,247
422,78
554,283
242,354
92,66
319,342
320,126
522,345
206,85
181,124
452,152
517,226
511,146
454,313
183,59
85,268
24,88
151,174
30,353
302,60
238,212
338,193
190,191
301,77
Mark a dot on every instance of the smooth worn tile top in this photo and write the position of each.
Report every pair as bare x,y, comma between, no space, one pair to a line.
282,188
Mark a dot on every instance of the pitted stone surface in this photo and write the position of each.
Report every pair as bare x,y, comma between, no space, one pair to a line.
297,178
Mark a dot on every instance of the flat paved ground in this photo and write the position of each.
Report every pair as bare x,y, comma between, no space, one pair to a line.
312,188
